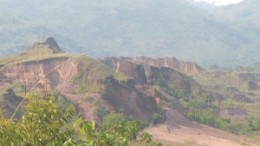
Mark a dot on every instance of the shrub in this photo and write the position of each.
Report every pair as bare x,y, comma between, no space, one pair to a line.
47,124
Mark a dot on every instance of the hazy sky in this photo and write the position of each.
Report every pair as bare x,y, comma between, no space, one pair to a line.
221,2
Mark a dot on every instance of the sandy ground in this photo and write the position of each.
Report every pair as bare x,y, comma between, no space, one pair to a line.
178,130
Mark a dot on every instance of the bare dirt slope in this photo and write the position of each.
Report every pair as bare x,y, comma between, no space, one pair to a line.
179,131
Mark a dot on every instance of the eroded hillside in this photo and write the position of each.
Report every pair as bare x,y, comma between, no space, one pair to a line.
85,82
168,92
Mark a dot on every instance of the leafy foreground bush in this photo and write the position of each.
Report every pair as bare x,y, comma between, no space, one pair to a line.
46,124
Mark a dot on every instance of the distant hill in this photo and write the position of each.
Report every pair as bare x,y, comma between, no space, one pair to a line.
226,36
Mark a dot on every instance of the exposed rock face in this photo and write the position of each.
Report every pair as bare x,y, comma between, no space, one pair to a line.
10,102
126,98
154,74
60,74
133,70
167,77
44,75
51,42
182,66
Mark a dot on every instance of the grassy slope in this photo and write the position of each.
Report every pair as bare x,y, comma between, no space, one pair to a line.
230,80
92,74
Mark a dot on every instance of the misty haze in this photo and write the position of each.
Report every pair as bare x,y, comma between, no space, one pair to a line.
130,73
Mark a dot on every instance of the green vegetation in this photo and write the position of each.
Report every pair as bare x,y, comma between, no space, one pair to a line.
101,111
92,74
47,124
42,124
240,91
158,116
207,115
32,56
254,124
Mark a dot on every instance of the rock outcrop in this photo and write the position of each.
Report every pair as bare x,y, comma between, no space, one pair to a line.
50,45
51,42
124,97
131,69
181,66
10,103
170,62
177,83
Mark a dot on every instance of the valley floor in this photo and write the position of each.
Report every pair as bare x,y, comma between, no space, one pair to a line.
180,131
